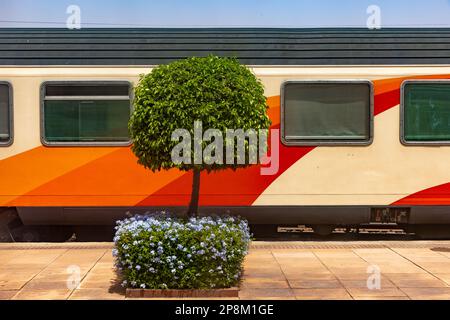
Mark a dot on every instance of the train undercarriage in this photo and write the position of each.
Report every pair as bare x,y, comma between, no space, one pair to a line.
56,224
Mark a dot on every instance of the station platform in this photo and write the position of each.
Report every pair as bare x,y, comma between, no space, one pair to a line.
418,270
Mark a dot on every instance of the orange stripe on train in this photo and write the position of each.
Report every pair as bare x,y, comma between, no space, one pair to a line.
111,177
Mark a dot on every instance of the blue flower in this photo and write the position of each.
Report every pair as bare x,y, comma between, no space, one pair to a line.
158,234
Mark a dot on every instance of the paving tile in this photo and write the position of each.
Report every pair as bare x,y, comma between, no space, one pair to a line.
46,276
264,268
362,283
45,285
352,275
303,274
264,283
349,270
253,257
294,254
210,298
14,275
444,277
36,255
8,271
419,283
261,266
255,262
261,274
410,276
428,293
268,274
436,267
445,254
315,284
345,264
11,285
308,276
176,299
268,298
381,298
107,257
434,259
42,295
268,292
97,284
95,275
321,294
299,272
393,268
382,292
5,295
106,283
96,294
293,263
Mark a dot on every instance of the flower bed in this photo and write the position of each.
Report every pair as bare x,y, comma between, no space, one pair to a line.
159,251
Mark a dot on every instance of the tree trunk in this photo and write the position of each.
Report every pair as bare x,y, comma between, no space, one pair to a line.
193,206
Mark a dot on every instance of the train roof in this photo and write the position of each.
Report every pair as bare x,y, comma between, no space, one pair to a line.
252,46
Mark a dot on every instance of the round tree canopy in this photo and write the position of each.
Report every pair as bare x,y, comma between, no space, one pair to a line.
219,92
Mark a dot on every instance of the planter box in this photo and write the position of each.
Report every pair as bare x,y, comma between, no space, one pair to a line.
182,293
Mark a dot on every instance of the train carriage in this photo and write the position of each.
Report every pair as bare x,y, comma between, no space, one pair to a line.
363,117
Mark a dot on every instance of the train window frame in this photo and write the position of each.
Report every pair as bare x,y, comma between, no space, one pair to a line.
403,141
328,142
47,143
10,141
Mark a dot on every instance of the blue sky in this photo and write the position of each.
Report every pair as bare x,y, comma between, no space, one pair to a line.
224,13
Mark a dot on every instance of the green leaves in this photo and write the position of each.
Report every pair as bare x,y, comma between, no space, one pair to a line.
159,251
219,92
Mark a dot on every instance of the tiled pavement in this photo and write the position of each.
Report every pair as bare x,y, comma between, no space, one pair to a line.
288,270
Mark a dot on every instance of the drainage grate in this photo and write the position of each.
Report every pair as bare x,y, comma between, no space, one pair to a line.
442,246
258,245
66,245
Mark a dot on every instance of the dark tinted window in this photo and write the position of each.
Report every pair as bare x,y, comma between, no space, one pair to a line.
426,112
83,114
5,117
86,90
329,112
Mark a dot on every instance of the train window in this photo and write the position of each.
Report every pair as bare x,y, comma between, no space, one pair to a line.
425,112
5,114
85,113
327,112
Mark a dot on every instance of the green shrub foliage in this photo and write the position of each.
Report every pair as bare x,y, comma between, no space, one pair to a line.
219,92
162,252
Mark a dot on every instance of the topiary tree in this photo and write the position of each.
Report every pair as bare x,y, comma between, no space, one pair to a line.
219,92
